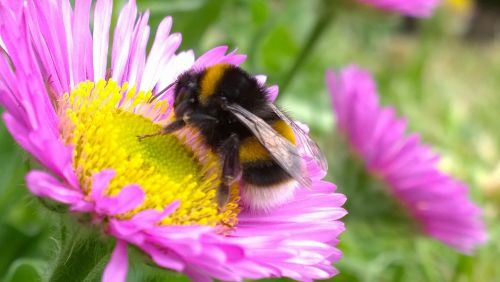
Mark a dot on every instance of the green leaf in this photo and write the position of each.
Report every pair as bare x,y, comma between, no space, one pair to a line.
12,170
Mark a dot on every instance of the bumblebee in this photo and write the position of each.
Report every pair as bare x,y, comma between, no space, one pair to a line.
256,141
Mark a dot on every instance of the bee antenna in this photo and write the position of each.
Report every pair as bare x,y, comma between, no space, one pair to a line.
154,97
142,137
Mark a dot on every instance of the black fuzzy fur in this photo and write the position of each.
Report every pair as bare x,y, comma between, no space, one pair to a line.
239,87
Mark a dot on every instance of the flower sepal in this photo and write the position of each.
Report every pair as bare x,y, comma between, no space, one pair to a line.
53,206
82,252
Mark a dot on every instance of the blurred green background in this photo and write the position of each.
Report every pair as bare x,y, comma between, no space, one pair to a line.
446,83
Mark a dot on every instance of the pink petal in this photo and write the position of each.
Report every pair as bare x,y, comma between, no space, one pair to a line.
102,20
165,258
176,65
45,185
144,220
123,40
408,167
211,57
272,93
137,54
261,78
162,50
117,267
218,55
82,48
416,8
129,197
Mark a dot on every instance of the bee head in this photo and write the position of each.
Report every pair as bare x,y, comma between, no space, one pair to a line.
200,91
186,93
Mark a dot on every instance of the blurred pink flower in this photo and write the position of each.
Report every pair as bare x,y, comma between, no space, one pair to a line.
55,90
408,167
415,8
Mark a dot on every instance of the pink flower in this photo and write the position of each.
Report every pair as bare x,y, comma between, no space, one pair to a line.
79,118
409,168
416,8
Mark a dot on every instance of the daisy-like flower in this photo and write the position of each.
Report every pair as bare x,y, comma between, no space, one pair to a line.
438,202
79,117
415,8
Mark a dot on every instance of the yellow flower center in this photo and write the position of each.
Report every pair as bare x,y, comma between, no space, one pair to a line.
103,121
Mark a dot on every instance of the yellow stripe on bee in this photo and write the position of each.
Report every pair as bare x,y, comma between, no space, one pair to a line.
251,150
210,80
284,130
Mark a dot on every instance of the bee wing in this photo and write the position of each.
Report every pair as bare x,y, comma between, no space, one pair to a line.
280,149
311,147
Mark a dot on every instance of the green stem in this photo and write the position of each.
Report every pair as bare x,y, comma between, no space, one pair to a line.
326,16
81,257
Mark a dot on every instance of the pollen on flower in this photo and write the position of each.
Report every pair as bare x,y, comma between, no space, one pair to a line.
103,121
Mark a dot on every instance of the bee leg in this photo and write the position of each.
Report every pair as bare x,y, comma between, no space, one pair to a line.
199,118
172,127
222,195
231,168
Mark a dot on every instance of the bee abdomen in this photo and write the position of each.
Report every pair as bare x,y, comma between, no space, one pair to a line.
252,151
266,186
264,173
